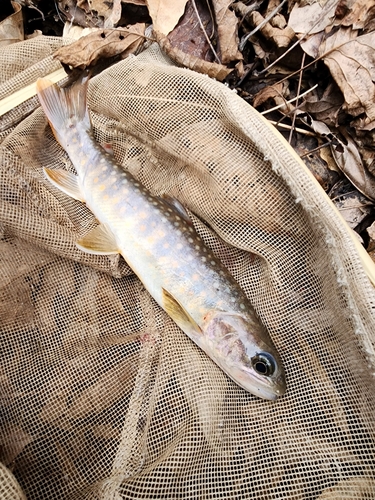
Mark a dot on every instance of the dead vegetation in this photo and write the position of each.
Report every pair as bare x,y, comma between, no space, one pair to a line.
308,66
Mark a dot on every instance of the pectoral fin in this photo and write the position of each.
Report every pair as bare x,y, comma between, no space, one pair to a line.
179,314
65,181
99,241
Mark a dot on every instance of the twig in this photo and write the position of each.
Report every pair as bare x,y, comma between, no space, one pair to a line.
298,91
289,102
316,149
326,8
204,31
260,26
288,127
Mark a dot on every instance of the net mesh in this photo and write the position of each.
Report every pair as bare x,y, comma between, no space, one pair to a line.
102,396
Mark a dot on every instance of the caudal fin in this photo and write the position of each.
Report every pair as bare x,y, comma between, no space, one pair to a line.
64,108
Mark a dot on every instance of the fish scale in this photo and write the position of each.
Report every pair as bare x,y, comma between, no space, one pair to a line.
157,239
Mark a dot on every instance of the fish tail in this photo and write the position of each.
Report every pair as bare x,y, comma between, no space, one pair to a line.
65,108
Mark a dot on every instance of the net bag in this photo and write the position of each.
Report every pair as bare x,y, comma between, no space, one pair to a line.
102,395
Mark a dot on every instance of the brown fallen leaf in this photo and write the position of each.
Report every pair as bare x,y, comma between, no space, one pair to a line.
315,162
351,61
101,44
73,13
350,163
326,107
280,37
11,28
110,11
354,13
227,28
275,92
312,18
188,35
212,69
165,14
354,207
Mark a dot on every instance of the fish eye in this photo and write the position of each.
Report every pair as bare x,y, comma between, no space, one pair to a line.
264,364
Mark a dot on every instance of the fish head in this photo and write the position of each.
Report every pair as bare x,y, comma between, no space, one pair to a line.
245,352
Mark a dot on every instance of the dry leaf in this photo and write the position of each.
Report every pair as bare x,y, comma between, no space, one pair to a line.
354,207
188,35
101,44
312,18
354,13
274,92
227,27
351,61
281,38
315,161
312,44
350,163
82,17
11,28
325,108
214,70
165,14
110,11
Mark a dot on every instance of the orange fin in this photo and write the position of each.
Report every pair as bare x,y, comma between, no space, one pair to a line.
65,181
64,108
98,241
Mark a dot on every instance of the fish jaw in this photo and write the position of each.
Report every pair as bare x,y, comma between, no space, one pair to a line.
235,344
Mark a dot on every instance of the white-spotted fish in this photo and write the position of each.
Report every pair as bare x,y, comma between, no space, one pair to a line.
156,238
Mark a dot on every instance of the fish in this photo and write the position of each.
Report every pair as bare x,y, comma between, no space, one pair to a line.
156,237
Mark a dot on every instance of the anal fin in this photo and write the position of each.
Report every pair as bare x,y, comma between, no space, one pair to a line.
175,310
99,241
65,181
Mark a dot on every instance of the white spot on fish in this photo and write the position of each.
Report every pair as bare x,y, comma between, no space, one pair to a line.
242,306
203,259
104,168
190,240
213,263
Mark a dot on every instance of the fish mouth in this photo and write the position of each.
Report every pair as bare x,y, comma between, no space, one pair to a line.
260,386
